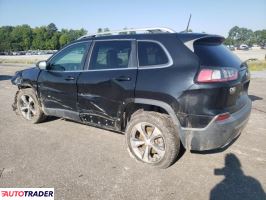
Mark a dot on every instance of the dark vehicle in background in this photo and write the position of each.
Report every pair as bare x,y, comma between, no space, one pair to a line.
162,89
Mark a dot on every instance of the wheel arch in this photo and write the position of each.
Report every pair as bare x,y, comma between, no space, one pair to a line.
148,105
23,87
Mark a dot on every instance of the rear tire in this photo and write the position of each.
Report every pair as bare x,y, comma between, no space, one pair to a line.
28,106
152,138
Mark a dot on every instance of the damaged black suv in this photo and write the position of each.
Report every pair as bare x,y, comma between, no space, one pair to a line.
162,89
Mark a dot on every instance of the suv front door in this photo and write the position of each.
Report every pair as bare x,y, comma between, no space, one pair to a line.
58,84
108,83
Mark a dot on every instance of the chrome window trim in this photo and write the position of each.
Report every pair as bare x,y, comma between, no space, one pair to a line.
86,68
168,64
95,70
65,71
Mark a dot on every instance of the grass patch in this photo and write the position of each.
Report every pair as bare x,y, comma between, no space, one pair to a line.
257,65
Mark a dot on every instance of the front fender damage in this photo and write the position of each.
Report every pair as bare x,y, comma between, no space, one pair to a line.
26,78
17,79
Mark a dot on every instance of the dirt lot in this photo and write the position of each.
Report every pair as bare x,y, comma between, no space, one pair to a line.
258,54
83,162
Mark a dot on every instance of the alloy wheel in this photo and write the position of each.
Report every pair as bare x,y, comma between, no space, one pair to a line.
147,142
27,107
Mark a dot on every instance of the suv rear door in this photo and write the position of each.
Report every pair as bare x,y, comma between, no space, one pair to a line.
108,82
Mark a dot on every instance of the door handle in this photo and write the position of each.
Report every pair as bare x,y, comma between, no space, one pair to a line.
123,78
70,78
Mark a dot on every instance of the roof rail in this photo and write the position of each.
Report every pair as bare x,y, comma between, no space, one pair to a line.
131,31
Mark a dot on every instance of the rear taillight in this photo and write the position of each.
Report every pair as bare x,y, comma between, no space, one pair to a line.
222,117
222,74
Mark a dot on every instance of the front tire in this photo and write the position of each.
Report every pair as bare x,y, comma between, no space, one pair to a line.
28,106
152,138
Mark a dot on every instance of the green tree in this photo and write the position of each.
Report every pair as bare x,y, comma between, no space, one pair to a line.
40,36
70,35
52,40
239,36
229,41
21,37
24,37
64,39
51,28
5,38
260,37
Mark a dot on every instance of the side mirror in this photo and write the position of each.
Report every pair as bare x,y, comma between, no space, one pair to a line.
42,64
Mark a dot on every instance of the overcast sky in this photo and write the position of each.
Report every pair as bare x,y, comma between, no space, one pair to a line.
211,16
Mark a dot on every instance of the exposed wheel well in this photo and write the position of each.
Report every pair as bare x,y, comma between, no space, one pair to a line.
134,107
24,87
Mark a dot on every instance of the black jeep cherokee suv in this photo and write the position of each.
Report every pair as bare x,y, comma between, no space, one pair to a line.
160,89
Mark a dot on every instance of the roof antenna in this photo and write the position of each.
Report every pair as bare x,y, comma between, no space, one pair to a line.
188,23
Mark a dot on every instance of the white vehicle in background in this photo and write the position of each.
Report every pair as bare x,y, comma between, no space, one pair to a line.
243,47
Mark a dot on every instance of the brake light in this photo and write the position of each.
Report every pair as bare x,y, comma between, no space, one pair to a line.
217,75
222,117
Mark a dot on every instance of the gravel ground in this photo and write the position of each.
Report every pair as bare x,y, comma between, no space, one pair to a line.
82,162
259,54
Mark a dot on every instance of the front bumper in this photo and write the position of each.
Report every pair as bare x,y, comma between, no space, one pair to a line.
218,133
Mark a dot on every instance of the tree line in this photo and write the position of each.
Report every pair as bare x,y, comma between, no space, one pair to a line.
23,37
238,36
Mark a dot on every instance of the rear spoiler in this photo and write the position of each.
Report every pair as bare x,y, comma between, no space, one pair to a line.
204,39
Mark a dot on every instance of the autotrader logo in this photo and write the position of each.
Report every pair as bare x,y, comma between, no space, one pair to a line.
26,193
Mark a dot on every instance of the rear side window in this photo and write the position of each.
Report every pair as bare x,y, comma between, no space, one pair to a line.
110,55
216,54
150,54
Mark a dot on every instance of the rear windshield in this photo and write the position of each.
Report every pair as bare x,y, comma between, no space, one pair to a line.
217,55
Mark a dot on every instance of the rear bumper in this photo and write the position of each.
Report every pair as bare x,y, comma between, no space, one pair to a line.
216,134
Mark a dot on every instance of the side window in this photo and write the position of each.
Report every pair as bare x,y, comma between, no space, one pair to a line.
110,55
69,59
151,53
